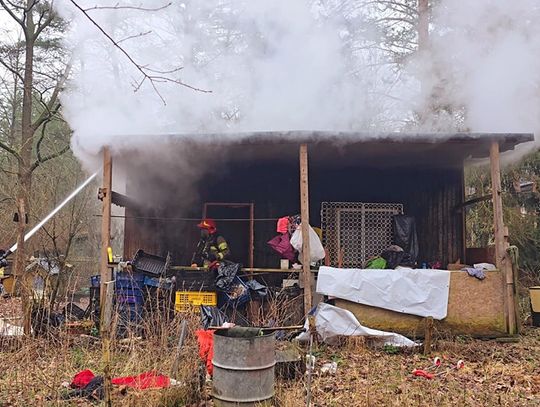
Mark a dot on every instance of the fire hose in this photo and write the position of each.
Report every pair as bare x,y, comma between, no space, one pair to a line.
12,249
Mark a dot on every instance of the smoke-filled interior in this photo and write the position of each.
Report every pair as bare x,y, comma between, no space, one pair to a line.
423,175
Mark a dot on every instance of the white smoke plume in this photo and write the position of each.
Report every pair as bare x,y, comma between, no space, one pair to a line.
295,65
485,59
270,65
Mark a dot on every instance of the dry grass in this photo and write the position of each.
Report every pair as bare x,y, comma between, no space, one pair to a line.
33,370
494,374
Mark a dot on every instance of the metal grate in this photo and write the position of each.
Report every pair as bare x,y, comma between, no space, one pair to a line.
360,230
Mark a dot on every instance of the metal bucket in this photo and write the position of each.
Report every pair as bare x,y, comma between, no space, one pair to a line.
243,368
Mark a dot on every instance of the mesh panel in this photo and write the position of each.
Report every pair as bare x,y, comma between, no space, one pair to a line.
360,230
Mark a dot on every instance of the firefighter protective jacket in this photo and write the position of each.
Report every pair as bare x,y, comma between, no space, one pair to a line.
214,247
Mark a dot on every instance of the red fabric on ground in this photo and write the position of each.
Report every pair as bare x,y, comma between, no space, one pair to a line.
206,348
146,380
81,379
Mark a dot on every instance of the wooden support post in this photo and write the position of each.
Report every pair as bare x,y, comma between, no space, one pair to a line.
428,333
304,213
501,241
251,233
106,319
105,194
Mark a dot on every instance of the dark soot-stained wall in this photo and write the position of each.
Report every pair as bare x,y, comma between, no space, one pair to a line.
429,193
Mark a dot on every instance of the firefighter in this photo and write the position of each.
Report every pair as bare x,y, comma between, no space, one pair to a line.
212,247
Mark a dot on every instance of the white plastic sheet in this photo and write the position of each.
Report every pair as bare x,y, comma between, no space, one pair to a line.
411,291
7,329
333,321
316,249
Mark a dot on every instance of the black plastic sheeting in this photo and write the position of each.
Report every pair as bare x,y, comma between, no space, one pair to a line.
257,289
212,316
404,236
227,270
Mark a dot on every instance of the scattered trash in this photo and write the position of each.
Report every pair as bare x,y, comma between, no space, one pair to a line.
212,316
485,266
289,361
73,312
87,385
331,321
7,329
257,288
437,363
329,368
227,271
475,272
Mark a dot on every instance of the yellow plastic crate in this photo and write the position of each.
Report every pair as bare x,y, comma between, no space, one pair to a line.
189,300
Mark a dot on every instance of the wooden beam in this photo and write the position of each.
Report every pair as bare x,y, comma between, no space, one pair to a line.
106,321
106,196
501,240
304,213
428,332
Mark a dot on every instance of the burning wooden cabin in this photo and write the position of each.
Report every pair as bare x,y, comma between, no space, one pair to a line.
353,186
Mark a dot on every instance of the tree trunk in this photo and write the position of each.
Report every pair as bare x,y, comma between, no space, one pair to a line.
423,25
24,175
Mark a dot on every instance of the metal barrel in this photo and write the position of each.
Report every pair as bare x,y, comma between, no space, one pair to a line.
243,368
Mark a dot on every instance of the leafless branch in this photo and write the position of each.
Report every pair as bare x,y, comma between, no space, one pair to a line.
11,13
142,69
52,156
10,68
134,36
53,105
119,7
42,25
10,150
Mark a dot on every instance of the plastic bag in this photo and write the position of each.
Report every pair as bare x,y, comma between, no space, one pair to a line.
212,316
405,235
227,270
316,248
257,288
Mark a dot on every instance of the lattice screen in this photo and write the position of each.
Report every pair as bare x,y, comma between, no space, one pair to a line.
361,230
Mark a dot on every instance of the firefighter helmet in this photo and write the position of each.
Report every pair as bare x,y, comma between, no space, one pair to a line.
208,224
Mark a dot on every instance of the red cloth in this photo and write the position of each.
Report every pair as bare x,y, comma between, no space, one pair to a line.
206,347
283,225
146,380
82,379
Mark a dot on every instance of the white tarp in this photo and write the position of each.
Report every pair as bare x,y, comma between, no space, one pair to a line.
332,321
411,291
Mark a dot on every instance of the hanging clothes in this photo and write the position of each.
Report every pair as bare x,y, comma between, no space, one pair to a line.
283,225
282,245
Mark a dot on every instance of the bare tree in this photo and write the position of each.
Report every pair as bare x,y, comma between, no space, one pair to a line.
38,109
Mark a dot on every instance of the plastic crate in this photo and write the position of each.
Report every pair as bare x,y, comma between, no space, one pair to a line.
157,282
190,300
130,312
150,264
191,280
129,280
134,296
